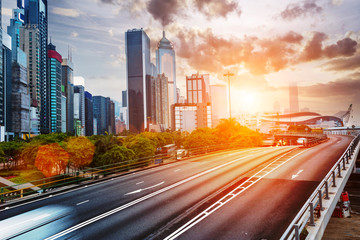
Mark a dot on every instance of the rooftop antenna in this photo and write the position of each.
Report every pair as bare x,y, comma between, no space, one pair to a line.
163,25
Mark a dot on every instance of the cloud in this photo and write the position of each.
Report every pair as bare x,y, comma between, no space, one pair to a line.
74,34
315,50
111,33
303,9
337,2
341,87
292,37
164,11
344,64
67,12
215,8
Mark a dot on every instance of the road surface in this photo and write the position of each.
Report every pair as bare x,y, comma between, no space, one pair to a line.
159,202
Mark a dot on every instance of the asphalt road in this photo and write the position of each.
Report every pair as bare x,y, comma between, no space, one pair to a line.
155,202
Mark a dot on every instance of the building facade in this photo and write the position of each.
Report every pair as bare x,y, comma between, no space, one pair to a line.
79,110
294,97
166,64
68,89
54,89
219,103
190,116
36,15
89,114
29,42
198,88
137,47
160,102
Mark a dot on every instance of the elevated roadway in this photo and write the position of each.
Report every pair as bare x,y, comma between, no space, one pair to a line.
157,203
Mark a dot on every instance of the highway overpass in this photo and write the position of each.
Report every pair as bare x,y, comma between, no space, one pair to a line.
239,194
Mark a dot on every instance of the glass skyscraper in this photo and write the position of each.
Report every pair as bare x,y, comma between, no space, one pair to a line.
68,85
138,79
54,86
36,14
89,114
165,63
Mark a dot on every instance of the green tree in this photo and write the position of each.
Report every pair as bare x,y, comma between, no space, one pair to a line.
141,146
117,154
81,151
11,151
200,137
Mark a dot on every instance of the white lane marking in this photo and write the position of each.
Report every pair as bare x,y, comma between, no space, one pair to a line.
216,205
339,142
139,182
177,170
82,202
297,174
143,189
127,205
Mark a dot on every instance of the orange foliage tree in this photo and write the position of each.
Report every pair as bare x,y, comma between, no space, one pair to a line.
81,151
51,159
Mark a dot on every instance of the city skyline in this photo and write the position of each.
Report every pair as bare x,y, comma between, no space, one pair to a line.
314,43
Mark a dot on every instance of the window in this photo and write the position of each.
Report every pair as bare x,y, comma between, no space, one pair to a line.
195,96
189,85
194,85
199,85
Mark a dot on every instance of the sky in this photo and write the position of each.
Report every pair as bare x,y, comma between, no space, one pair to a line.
266,44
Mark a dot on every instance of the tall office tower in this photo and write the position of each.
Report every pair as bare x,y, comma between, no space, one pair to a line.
68,87
111,117
29,43
6,86
165,63
89,114
138,79
293,96
54,86
198,88
101,113
219,103
79,110
124,98
19,120
189,116
276,107
36,16
160,101
2,110
63,113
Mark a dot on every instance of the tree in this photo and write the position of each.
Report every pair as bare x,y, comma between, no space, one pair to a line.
141,146
226,129
200,137
117,154
11,151
81,151
52,159
29,152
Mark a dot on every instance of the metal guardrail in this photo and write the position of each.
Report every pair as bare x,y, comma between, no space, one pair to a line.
49,184
306,215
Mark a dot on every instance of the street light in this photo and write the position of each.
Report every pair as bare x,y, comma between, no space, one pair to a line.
228,75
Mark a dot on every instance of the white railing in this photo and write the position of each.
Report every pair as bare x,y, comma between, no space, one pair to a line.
306,215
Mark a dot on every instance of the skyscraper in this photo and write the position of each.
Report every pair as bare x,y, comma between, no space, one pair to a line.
54,88
79,109
19,112
29,42
198,88
138,79
89,114
36,15
293,96
160,101
101,114
68,85
219,103
165,63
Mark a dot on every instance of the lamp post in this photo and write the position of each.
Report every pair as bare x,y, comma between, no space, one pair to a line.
228,75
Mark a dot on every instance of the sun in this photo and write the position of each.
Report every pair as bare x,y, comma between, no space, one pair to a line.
244,101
